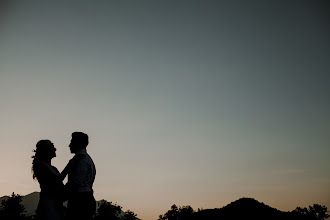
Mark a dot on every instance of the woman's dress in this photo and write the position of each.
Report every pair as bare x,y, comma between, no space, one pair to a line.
50,205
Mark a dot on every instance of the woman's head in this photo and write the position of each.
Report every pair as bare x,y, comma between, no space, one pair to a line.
44,151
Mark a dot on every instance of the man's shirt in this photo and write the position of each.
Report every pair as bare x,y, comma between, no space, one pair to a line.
82,172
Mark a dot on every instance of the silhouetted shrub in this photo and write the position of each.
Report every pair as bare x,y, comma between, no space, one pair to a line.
175,213
12,209
317,211
108,210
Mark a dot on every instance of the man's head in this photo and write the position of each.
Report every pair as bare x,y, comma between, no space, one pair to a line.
79,141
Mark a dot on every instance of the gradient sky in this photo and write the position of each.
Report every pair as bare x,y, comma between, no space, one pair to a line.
189,102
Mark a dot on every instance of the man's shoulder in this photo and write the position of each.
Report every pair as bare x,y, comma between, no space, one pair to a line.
79,156
82,157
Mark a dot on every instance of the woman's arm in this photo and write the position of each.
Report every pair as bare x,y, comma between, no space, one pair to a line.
50,171
64,172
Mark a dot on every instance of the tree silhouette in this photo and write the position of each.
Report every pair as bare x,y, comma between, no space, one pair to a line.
108,211
129,215
318,211
12,208
175,213
170,214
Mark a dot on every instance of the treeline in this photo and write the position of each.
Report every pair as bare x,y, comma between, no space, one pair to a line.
12,209
244,208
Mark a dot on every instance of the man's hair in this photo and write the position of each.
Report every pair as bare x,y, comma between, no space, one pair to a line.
81,138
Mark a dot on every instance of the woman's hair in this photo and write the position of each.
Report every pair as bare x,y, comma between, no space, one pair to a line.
42,149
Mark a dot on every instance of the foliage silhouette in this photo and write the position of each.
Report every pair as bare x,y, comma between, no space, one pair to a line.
12,209
175,213
108,210
129,215
318,211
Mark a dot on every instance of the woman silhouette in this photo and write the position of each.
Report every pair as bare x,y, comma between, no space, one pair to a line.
50,205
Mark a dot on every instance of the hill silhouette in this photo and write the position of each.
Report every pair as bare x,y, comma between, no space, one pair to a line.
30,203
248,208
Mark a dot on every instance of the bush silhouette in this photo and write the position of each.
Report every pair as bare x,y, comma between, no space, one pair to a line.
317,211
12,209
175,213
108,210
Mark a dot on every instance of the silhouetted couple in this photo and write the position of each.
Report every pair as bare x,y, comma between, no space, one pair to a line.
79,188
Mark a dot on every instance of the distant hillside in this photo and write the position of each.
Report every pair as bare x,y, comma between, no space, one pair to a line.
248,208
30,202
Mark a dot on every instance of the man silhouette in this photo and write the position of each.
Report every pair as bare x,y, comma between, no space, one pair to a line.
81,175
